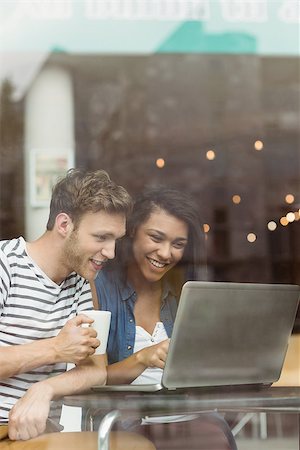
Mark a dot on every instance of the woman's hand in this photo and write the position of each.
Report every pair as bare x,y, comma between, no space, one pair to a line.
154,356
127,370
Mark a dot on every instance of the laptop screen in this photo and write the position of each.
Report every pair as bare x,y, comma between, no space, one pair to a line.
230,334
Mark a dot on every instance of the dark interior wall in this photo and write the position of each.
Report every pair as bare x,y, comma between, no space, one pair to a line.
131,110
11,164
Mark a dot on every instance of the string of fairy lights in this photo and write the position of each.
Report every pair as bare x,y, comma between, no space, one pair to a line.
289,217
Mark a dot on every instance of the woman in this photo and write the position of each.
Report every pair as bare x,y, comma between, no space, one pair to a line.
161,250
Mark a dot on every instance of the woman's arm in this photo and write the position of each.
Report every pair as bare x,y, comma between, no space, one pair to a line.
124,372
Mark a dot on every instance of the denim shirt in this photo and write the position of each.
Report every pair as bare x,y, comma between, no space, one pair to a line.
115,294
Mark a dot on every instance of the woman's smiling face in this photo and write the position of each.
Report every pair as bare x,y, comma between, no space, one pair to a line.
159,244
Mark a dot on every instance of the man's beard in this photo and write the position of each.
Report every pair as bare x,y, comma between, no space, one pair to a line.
73,255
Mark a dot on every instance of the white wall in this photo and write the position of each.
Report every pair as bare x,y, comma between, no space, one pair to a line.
49,127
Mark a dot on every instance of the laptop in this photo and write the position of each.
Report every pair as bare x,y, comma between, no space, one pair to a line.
226,334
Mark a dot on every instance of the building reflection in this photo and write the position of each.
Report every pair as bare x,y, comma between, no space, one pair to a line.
224,127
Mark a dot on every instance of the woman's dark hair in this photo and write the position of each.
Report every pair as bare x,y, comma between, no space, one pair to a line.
177,204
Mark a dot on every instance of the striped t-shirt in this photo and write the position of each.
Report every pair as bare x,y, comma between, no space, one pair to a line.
33,307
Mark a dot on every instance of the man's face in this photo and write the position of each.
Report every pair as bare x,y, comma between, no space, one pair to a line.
93,242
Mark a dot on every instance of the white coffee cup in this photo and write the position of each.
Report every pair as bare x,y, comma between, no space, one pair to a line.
101,324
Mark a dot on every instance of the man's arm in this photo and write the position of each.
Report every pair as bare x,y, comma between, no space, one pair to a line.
72,344
28,417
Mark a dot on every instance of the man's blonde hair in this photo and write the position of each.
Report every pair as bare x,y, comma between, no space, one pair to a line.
80,192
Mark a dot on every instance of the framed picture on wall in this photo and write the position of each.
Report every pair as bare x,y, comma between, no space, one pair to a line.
46,167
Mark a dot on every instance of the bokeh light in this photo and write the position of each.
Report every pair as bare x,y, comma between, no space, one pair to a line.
290,217
160,162
258,145
289,198
236,199
206,227
272,225
251,237
210,155
284,222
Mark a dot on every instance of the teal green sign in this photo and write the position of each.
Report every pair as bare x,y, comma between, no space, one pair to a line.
266,27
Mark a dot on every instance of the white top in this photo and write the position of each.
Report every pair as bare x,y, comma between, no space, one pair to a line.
152,375
33,307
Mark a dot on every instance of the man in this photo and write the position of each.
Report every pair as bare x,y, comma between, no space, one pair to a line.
43,293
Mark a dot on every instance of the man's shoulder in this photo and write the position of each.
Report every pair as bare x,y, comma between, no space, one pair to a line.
11,254
11,247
